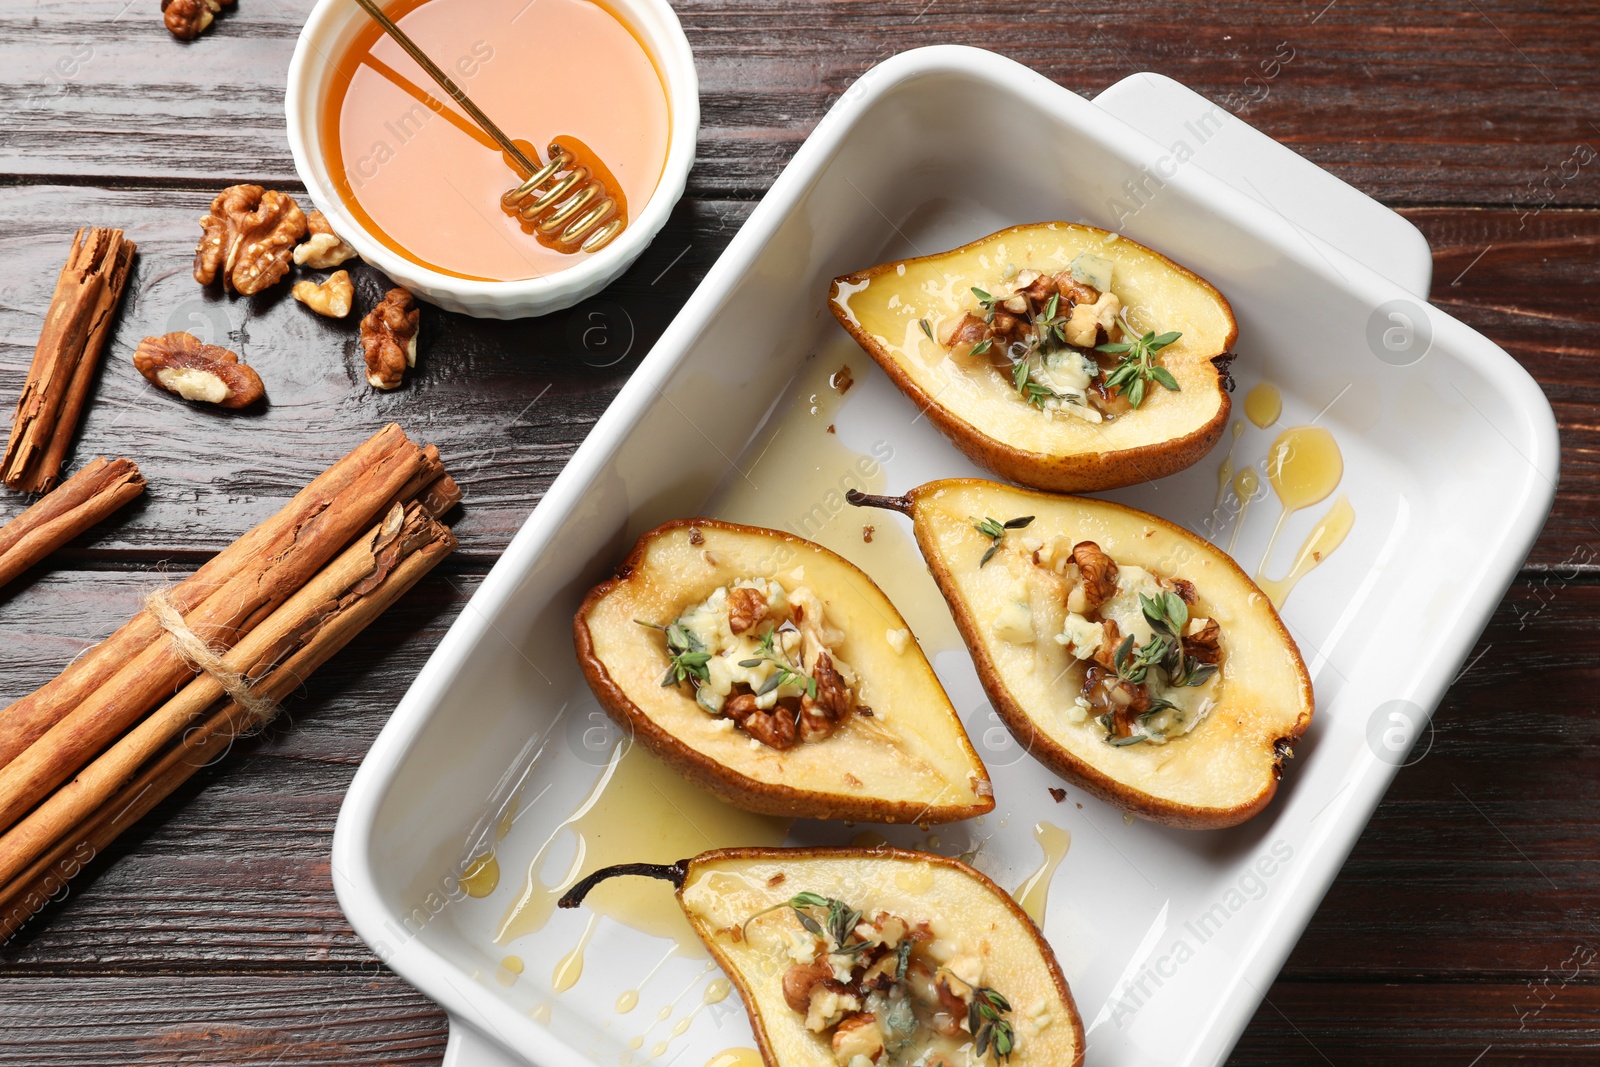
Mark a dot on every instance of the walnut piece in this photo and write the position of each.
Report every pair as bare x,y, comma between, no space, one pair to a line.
746,607
188,19
184,365
389,339
775,728
1099,573
1203,642
332,298
324,248
248,238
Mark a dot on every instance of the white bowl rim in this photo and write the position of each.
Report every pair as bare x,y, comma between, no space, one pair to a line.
655,23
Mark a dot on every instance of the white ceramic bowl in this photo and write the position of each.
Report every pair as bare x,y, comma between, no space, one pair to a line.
330,30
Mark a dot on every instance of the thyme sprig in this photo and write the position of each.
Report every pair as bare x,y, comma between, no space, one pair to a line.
1167,616
985,1019
783,672
838,922
995,530
686,656
1138,366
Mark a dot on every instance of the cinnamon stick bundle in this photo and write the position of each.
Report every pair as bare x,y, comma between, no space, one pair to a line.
363,484
126,723
229,612
40,855
75,332
407,532
82,501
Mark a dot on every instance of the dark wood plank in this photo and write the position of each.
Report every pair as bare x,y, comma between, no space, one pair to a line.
367,1017
1525,279
1413,104
1426,1024
509,402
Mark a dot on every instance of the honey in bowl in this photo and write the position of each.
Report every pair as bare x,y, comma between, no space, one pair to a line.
424,180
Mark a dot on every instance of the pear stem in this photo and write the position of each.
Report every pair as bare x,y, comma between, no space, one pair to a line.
673,872
902,504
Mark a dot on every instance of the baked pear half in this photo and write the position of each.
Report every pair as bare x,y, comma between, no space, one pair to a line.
772,672
1123,652
848,957
1056,355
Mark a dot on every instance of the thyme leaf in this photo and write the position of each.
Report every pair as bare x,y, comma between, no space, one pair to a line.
995,530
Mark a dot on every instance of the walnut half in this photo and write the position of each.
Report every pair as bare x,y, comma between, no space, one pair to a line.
332,298
324,248
249,236
389,339
188,19
184,365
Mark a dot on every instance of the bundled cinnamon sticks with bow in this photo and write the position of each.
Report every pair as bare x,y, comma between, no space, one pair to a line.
124,724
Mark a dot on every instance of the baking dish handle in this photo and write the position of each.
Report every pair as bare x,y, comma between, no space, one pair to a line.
467,1047
1314,201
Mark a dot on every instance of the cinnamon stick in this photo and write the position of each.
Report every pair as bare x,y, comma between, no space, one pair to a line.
195,747
81,502
75,331
358,570
27,719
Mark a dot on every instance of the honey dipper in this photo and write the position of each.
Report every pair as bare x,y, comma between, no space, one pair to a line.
576,211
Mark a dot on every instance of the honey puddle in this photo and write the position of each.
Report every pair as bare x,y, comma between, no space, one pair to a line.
510,970
481,876
735,1057
640,811
1034,894
798,480
1263,405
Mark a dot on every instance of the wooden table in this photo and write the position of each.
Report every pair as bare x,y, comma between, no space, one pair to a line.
1461,931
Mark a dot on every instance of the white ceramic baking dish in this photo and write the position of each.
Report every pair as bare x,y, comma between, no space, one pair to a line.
1168,938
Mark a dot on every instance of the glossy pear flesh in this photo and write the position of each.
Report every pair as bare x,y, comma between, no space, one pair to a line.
1219,774
723,889
977,408
910,762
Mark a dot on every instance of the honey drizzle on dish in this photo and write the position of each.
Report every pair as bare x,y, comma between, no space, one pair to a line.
798,460
1225,472
1245,486
1328,534
639,810
1304,465
1033,895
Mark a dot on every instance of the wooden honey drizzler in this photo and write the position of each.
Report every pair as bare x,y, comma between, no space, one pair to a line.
564,201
